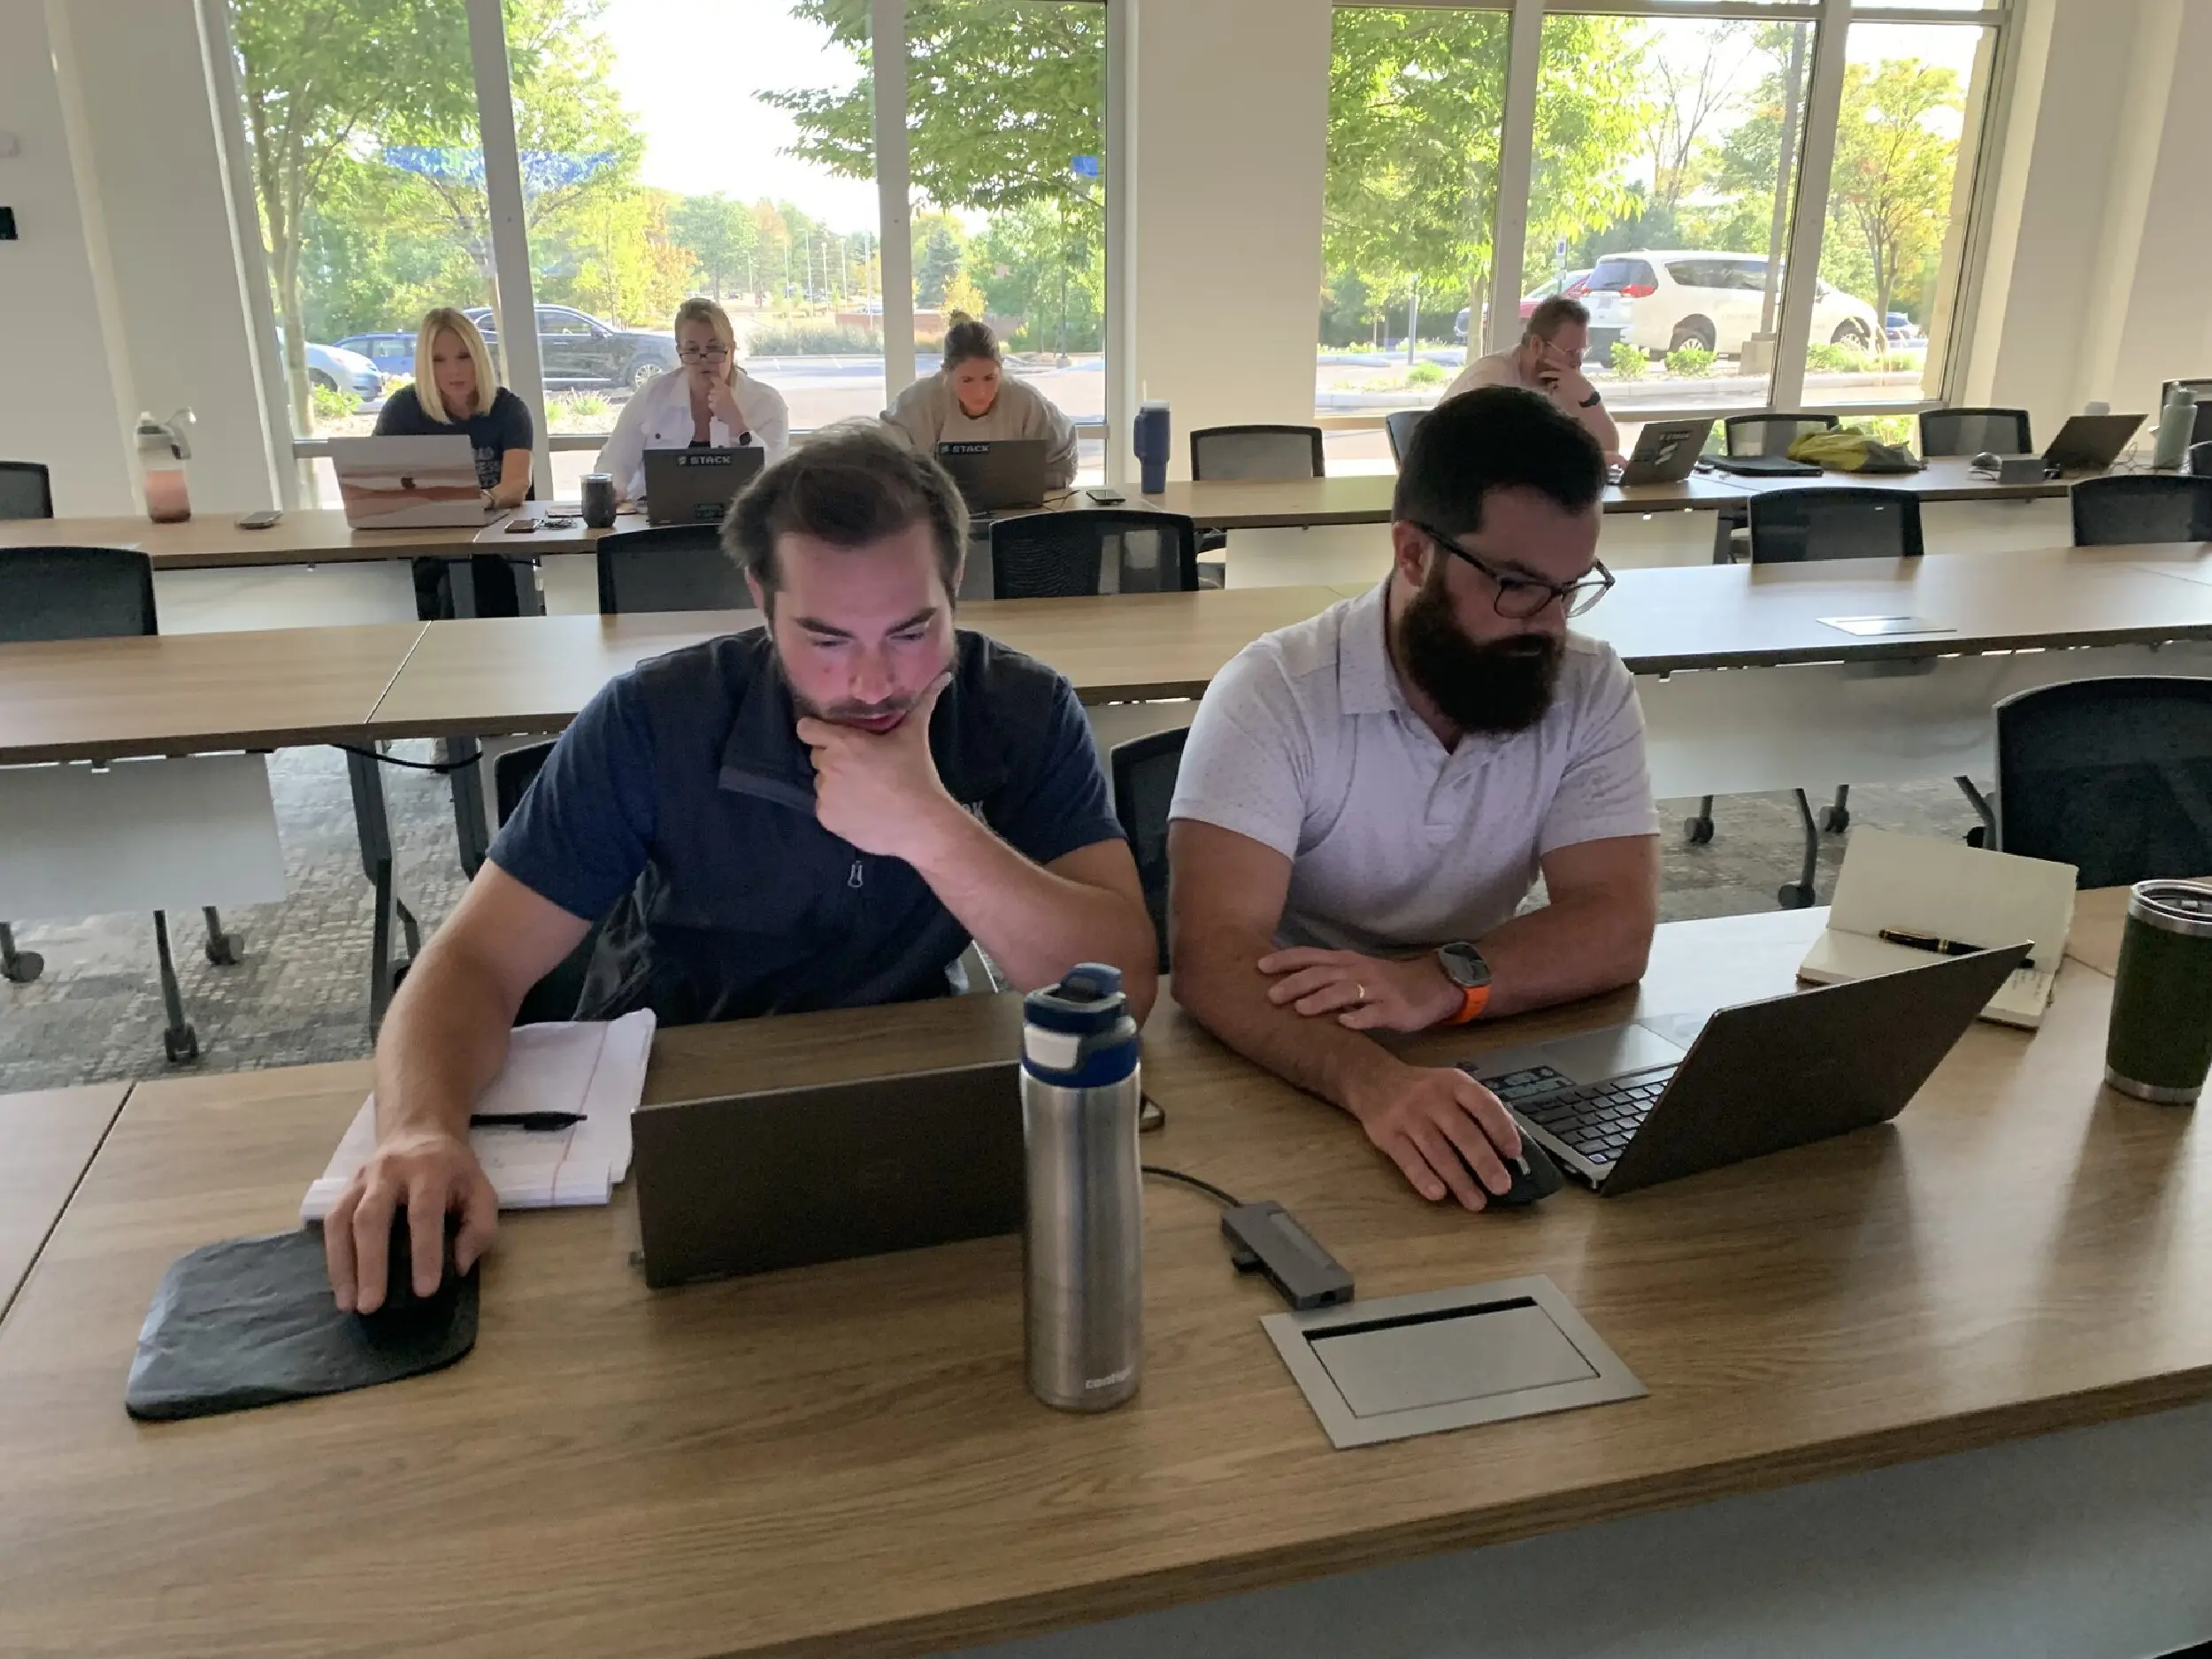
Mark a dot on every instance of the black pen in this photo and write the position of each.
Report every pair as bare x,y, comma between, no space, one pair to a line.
1928,942
525,1120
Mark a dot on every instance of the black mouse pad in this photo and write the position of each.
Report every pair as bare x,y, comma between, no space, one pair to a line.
250,1322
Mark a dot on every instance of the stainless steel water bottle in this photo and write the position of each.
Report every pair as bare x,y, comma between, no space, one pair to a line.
1083,1299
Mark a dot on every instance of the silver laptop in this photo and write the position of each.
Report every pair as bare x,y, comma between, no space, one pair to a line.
696,486
997,474
1634,1105
408,483
1666,450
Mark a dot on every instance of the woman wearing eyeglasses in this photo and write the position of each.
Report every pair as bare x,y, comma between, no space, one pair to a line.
708,403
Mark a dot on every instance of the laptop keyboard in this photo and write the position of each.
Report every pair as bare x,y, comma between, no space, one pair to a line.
1594,1120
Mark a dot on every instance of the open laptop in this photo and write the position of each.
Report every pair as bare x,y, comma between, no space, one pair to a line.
1634,1105
697,486
783,1177
998,475
408,483
1665,452
2090,443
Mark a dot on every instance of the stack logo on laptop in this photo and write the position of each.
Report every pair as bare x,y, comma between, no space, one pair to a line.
1905,900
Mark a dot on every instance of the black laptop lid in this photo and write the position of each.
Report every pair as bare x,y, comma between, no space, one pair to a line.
1765,1077
695,486
784,1178
996,473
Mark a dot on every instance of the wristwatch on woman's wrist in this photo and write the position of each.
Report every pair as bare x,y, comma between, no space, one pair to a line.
1463,966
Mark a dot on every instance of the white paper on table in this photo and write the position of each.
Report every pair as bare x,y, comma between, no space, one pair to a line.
597,1068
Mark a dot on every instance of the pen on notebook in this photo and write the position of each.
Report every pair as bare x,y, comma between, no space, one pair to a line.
1928,941
525,1120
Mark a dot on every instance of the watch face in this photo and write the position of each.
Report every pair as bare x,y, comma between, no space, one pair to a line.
1463,966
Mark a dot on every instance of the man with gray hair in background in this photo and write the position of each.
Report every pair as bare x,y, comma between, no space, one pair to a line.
1548,361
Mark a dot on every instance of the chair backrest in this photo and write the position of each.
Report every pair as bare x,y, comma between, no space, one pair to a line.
75,593
1972,430
1771,435
556,995
1261,454
2111,776
1144,770
672,567
25,491
1071,555
2128,507
1398,426
1791,526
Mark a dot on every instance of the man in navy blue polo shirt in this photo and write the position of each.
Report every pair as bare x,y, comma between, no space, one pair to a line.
819,814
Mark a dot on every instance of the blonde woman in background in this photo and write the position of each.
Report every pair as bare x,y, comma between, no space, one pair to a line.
455,394
708,403
972,398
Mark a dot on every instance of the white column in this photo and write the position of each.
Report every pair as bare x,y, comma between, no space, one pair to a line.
894,193
1824,102
1517,166
510,237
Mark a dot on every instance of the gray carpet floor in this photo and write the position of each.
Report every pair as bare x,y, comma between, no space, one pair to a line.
298,994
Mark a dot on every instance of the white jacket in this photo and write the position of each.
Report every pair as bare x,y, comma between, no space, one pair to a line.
929,413
659,416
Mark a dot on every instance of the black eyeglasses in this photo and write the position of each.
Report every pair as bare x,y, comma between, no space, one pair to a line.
705,354
1522,597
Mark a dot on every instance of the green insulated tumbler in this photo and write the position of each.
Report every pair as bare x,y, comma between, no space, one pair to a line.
2160,1045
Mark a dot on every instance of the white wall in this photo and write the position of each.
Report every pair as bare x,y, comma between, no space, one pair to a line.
175,262
1229,130
69,401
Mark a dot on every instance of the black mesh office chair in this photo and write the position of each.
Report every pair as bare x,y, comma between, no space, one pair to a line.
2200,459
2130,507
1972,430
73,593
1144,770
1791,526
675,567
1068,554
556,995
1771,434
1262,454
2111,776
26,491
1398,426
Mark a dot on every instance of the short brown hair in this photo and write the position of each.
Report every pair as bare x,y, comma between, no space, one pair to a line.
1551,315
849,485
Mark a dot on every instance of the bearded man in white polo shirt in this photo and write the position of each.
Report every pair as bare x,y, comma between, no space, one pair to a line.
1367,798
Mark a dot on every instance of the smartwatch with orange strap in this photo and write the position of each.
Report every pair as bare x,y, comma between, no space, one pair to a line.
1463,966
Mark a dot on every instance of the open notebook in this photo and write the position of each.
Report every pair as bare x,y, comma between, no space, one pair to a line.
1942,890
592,1067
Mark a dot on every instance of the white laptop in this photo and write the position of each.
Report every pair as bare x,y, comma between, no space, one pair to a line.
1905,901
408,483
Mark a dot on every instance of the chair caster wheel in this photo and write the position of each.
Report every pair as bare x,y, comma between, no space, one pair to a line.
28,965
223,949
1978,836
1794,897
1835,821
1696,831
183,1046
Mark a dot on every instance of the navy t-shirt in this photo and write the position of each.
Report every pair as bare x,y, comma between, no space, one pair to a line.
505,426
679,806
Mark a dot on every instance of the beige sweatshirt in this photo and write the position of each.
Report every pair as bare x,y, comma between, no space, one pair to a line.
929,413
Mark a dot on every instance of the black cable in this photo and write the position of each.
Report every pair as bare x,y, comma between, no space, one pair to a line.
442,767
1206,1187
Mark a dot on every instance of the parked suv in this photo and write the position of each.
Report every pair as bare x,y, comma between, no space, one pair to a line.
1664,299
581,350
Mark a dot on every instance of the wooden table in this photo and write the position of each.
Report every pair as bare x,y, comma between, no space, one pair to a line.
47,1139
312,535
843,1460
194,693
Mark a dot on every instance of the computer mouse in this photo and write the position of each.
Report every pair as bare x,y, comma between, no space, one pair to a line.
402,1306
1535,1178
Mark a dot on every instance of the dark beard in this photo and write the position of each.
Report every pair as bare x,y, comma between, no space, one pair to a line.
1497,688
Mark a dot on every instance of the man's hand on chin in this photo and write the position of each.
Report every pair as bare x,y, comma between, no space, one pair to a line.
879,790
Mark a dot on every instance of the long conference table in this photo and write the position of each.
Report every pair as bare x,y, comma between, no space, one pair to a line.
1860,1356
1824,707
321,535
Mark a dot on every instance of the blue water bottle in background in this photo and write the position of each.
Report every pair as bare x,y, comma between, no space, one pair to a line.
1155,438
1083,1257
